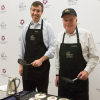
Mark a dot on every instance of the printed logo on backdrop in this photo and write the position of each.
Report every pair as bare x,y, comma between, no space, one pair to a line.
3,40
4,73
98,43
3,56
21,24
3,9
22,6
2,25
72,2
98,90
45,3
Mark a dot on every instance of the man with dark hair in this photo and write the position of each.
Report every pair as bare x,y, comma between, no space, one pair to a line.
37,47
37,3
76,55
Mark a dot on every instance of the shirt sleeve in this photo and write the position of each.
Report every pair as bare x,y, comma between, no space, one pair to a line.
57,58
92,55
51,42
23,43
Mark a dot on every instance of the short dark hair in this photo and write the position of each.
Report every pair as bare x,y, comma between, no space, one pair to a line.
37,3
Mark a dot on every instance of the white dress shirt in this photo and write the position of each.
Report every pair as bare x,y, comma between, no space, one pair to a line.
49,38
89,50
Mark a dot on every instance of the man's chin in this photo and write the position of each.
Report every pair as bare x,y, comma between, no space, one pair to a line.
35,20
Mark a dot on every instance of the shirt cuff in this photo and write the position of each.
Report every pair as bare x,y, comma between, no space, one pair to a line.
57,71
88,69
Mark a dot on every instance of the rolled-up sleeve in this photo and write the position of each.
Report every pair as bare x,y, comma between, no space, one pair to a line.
92,55
23,42
57,58
51,42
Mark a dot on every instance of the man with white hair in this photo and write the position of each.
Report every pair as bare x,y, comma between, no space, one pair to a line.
76,55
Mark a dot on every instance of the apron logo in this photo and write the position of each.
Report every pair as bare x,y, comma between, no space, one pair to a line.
73,45
36,31
32,38
69,55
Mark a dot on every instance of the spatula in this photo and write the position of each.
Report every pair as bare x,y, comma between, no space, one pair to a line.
69,80
22,62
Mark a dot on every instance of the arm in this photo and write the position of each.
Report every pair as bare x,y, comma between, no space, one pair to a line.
57,81
22,49
23,42
21,70
57,64
93,59
51,39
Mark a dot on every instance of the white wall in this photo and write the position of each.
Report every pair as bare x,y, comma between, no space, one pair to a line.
10,27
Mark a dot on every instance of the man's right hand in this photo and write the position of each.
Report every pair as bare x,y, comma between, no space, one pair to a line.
21,70
57,81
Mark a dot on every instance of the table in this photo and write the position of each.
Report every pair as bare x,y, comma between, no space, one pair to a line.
2,95
25,95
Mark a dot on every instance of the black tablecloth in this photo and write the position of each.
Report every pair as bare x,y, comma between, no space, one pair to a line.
25,95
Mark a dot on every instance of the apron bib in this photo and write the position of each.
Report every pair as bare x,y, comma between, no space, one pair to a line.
71,64
34,50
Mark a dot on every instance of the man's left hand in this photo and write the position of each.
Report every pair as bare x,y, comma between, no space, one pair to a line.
84,75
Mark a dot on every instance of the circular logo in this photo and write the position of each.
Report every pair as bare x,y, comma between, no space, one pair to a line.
2,38
45,1
4,70
21,21
2,7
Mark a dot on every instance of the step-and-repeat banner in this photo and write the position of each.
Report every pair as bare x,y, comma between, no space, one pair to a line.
14,14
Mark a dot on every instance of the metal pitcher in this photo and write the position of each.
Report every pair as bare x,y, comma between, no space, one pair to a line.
12,88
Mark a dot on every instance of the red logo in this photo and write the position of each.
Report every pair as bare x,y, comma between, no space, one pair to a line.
21,21
4,70
2,38
2,7
45,1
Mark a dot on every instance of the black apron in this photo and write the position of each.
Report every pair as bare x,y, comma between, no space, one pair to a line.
71,64
34,50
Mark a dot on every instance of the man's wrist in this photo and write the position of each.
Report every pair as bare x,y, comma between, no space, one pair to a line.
43,58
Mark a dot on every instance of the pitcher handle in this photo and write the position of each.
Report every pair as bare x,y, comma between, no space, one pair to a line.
18,83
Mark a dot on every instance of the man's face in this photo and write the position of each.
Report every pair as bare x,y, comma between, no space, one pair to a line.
69,23
36,12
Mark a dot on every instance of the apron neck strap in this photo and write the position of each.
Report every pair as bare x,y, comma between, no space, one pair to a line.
76,34
63,37
41,25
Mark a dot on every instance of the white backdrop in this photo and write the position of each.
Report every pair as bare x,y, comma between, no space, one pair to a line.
14,14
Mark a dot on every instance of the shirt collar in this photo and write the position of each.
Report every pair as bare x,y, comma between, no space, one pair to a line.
72,33
37,22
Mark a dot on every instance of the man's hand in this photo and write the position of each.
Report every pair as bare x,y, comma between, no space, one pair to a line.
21,70
84,75
38,63
57,81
